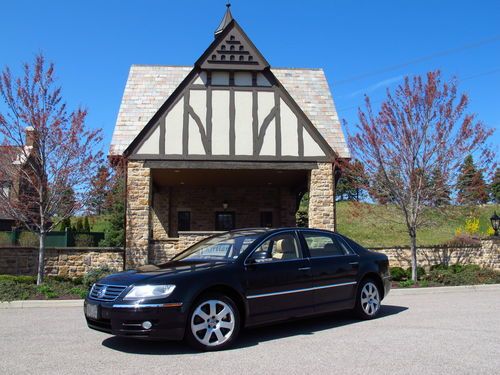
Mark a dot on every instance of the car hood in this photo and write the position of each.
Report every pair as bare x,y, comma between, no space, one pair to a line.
151,273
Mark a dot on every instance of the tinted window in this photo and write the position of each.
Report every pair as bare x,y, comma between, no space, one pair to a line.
324,245
225,247
184,220
279,247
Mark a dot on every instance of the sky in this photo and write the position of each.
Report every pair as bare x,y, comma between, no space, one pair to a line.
364,47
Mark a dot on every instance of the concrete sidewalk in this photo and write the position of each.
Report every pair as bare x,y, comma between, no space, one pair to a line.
400,292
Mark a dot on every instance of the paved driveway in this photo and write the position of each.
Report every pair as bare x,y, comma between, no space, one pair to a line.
452,331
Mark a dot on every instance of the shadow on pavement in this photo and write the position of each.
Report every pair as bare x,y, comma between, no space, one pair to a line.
249,337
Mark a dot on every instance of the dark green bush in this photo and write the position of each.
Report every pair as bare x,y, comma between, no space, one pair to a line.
95,275
463,275
398,274
406,283
420,272
18,279
47,291
11,291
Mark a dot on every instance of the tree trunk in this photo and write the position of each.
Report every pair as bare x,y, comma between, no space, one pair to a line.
413,246
41,258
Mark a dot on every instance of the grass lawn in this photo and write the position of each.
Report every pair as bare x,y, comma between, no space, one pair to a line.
376,225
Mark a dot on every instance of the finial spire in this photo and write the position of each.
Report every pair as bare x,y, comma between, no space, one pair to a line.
228,17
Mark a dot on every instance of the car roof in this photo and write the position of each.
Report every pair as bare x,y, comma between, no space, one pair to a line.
273,230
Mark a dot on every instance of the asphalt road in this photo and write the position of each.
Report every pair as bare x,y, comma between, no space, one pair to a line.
454,331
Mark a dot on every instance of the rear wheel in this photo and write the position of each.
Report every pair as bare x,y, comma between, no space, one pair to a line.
368,300
214,323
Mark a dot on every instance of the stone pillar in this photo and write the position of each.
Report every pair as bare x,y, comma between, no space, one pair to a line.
160,213
138,218
322,197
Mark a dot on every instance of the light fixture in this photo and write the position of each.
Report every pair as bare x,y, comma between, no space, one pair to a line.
225,205
495,222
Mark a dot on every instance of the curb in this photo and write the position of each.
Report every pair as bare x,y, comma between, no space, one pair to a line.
41,304
444,289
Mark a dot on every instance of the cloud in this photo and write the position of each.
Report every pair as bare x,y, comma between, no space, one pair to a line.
375,86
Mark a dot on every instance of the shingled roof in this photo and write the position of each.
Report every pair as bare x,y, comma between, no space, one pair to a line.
149,86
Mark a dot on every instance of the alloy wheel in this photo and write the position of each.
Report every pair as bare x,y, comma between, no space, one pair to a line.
212,322
370,299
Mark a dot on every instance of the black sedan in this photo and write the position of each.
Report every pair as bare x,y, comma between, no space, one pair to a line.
239,279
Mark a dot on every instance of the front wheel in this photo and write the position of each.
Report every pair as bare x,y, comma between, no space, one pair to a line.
368,300
214,323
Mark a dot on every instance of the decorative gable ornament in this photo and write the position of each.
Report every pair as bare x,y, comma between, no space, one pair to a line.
230,107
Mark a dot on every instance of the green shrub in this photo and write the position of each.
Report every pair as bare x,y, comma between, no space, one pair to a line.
406,283
47,291
28,239
420,272
18,279
398,274
470,274
79,291
95,275
12,291
423,283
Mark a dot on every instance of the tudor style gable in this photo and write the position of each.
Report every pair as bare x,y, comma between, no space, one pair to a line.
230,107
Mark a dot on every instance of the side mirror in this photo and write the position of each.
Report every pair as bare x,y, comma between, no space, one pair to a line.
259,257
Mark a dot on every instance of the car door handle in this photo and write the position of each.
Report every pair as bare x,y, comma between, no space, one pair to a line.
304,268
353,263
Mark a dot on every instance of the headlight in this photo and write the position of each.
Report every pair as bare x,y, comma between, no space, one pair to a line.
149,291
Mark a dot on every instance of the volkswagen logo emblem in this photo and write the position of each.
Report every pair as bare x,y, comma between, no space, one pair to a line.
101,292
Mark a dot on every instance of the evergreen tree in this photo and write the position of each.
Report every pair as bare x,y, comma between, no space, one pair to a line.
495,187
351,184
79,225
86,224
441,188
470,184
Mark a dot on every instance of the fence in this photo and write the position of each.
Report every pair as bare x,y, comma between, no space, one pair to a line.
66,238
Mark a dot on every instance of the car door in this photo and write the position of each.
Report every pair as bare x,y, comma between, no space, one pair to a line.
278,280
334,268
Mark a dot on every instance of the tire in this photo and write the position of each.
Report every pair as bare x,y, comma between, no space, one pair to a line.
213,323
368,300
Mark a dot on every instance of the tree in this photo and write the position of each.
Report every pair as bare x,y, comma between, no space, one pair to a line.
350,185
86,225
471,186
59,152
422,127
495,187
99,191
114,234
443,190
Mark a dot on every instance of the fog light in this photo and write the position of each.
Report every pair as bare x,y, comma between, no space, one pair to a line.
147,324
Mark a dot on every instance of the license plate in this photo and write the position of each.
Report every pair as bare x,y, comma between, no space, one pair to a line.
92,311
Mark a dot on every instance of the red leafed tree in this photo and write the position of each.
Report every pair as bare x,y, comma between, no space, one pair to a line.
422,128
54,152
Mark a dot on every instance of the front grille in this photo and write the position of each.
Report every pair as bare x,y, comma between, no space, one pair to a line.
106,293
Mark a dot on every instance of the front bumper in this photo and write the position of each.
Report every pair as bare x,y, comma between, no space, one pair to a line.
168,319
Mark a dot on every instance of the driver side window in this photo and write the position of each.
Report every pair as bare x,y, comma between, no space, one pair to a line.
279,247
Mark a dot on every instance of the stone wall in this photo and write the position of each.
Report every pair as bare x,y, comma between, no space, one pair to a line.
68,262
162,251
322,197
485,254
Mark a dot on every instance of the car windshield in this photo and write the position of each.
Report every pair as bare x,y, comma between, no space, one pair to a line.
225,247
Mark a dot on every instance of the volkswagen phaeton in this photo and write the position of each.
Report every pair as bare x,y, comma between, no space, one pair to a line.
240,279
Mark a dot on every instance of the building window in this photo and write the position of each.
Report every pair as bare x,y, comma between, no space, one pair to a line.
266,219
183,221
224,221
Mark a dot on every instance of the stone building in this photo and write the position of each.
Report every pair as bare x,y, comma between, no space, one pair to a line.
227,143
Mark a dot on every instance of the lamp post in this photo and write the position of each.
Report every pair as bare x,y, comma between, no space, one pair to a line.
495,222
